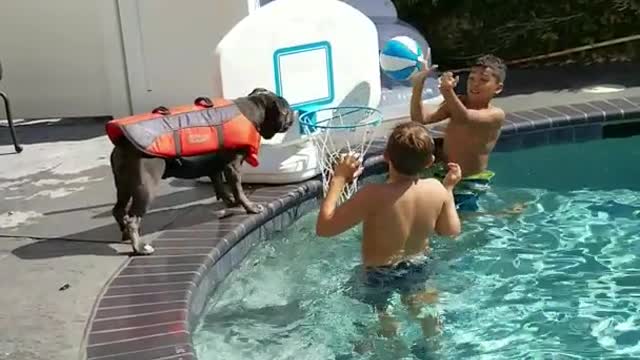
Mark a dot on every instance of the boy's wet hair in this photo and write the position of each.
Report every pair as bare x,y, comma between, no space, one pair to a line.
409,148
494,63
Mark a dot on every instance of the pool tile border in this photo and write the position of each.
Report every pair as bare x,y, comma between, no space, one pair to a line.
148,310
565,123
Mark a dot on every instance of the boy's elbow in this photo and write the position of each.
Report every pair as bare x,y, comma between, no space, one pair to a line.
455,231
451,231
322,230
416,118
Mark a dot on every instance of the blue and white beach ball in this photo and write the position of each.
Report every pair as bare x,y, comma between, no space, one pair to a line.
400,58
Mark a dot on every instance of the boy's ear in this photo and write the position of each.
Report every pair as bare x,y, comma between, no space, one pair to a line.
499,88
431,160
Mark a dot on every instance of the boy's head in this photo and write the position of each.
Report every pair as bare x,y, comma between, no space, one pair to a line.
409,148
486,78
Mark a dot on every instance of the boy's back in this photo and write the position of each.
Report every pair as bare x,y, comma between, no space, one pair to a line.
399,215
401,229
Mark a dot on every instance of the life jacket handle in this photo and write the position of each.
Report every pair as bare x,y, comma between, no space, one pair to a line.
162,110
203,101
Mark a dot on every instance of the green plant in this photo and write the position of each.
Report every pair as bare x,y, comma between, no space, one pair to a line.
460,30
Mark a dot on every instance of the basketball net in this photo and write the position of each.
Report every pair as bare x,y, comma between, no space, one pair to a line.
337,132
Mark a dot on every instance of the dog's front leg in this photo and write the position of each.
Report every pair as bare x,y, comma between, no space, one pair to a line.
232,173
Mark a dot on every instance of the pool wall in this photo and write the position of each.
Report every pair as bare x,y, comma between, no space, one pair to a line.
150,307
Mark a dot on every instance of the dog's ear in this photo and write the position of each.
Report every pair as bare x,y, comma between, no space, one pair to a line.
273,109
287,114
260,91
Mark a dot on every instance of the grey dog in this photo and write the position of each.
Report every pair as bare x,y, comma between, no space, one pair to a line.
137,174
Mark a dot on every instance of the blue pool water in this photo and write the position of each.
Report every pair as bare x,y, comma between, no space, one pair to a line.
559,281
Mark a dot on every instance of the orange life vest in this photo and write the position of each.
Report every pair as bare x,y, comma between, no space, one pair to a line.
189,130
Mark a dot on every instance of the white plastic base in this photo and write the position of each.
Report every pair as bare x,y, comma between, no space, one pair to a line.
283,164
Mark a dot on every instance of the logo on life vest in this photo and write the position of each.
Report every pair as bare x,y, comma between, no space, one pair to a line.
198,138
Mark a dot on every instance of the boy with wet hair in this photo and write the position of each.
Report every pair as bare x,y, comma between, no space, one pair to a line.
474,123
399,216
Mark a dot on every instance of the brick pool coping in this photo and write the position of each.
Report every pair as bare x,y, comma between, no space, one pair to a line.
150,306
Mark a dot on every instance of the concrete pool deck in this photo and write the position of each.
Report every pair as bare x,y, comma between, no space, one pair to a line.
58,246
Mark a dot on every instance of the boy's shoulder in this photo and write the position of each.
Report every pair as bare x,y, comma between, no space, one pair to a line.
372,189
429,190
492,115
431,184
490,109
432,191
425,183
497,114
432,181
497,111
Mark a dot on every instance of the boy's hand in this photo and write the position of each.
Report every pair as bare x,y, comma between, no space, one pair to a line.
448,82
453,177
348,168
419,77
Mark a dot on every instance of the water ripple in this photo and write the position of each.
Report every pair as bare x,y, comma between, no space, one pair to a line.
561,281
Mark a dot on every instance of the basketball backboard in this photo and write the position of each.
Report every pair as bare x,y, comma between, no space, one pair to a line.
313,53
304,74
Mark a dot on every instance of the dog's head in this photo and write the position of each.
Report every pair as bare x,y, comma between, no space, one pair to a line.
278,115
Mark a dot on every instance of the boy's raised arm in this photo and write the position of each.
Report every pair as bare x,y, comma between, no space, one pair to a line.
333,220
417,110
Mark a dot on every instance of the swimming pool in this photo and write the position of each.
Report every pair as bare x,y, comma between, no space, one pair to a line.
562,278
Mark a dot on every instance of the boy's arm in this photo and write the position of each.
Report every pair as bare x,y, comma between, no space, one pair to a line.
417,110
333,221
420,114
448,223
423,116
459,112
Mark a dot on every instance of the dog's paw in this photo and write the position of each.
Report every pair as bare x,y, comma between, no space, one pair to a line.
145,249
254,208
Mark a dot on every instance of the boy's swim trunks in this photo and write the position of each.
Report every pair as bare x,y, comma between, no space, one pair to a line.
468,190
381,282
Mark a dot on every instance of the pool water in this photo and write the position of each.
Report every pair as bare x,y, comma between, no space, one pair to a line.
559,281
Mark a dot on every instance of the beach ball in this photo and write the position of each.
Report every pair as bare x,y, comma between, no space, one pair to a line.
400,58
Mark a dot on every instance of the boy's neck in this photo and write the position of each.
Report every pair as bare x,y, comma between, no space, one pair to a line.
477,105
395,177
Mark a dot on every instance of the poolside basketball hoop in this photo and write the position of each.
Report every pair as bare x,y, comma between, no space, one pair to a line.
337,131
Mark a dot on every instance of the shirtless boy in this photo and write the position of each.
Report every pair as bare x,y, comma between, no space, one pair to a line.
398,218
474,123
